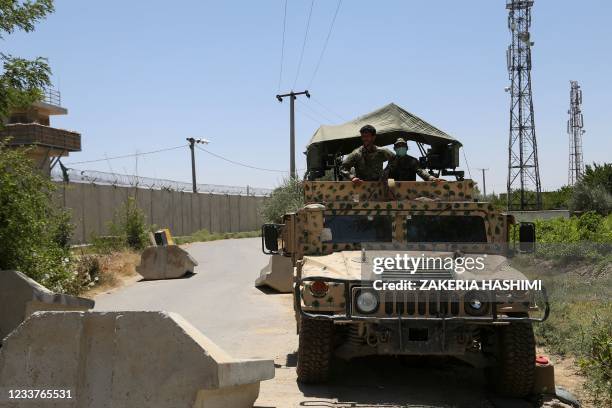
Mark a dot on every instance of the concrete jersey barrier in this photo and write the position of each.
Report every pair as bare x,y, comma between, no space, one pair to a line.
125,360
277,274
21,296
165,262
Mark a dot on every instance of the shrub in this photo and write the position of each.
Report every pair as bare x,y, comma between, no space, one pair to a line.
591,198
584,237
597,363
33,233
594,190
130,225
597,174
286,198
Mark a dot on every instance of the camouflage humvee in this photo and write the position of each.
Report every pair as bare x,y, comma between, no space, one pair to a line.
334,241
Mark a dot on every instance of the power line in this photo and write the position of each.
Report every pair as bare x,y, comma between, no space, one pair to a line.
239,163
329,110
308,116
331,27
297,74
280,75
127,155
466,161
316,112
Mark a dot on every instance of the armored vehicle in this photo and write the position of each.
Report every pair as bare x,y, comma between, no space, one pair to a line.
346,308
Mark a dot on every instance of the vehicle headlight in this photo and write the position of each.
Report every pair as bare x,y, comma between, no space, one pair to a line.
476,303
366,301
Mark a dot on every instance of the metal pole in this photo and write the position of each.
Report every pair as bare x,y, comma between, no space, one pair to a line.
292,135
292,96
484,183
191,141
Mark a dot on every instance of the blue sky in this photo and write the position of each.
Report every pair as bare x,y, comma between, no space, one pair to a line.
143,75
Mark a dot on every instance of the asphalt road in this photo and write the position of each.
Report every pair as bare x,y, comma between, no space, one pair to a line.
221,301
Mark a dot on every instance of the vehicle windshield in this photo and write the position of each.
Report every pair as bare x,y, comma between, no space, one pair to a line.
359,228
445,228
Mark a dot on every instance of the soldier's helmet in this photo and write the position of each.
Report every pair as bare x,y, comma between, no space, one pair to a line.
400,142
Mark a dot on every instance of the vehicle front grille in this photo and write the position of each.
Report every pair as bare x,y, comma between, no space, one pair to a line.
418,304
413,303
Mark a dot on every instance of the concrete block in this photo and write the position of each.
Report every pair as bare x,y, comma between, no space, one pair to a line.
127,359
278,274
165,262
21,296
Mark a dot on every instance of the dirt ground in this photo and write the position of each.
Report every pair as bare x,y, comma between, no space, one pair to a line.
116,270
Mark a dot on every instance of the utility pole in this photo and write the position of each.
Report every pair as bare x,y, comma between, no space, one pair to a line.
292,96
484,183
192,143
523,187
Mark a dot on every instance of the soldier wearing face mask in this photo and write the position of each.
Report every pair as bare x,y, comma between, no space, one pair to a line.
404,167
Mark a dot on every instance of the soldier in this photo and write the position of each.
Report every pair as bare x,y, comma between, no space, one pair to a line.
367,159
404,167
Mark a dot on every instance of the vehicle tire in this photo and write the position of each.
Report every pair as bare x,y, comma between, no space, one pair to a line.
315,350
514,373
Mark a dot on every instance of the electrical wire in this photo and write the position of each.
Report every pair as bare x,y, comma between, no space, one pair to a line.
315,112
297,74
308,116
239,163
127,155
331,27
466,161
280,75
328,109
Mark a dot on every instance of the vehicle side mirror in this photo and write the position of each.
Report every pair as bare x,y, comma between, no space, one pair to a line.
527,237
269,238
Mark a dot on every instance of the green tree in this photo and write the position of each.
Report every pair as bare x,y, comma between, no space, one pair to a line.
598,174
594,190
288,197
33,232
22,80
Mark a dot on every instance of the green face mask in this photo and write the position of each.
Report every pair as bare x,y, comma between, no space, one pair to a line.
401,151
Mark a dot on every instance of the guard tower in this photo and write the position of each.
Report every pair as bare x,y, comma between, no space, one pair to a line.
31,127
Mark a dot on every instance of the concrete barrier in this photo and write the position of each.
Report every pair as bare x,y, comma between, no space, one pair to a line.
21,296
125,360
530,216
165,262
278,274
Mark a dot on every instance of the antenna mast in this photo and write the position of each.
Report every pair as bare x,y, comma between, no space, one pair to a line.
575,131
523,188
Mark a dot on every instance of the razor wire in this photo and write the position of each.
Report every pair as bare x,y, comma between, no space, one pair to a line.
129,180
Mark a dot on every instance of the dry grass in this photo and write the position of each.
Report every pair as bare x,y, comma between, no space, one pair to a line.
116,269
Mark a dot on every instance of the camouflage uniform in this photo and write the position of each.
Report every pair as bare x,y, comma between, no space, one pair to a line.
368,164
405,168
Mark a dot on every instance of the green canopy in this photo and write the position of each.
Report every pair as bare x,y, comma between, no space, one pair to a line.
390,122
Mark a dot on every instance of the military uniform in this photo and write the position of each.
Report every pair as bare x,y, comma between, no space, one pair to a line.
368,164
405,168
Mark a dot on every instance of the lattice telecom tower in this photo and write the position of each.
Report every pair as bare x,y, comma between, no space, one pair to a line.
524,190
575,131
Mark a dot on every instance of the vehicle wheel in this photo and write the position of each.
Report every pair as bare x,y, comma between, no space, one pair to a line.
315,350
514,373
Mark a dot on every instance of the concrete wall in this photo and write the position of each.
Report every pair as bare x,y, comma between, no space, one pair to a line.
530,216
92,207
